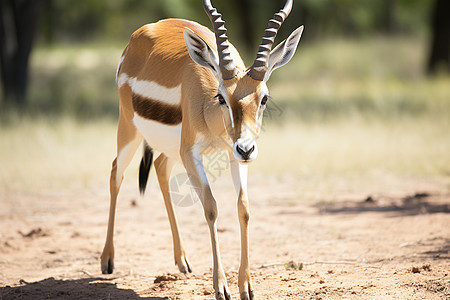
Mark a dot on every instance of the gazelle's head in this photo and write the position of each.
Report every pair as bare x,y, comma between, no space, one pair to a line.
243,94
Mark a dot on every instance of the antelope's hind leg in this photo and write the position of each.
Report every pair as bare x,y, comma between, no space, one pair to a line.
128,140
163,167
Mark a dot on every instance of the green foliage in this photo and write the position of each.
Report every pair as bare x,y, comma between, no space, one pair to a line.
378,78
99,20
78,81
115,20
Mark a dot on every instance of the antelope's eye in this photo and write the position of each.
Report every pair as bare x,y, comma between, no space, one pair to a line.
264,100
221,99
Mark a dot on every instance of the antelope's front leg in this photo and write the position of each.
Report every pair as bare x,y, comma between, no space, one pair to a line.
194,166
239,173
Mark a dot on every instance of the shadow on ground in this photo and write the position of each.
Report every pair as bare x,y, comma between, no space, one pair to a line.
87,288
419,203
442,252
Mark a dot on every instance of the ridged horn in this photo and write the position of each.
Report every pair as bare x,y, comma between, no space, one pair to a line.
223,47
259,67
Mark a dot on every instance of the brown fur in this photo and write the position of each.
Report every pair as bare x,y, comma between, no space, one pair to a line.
157,111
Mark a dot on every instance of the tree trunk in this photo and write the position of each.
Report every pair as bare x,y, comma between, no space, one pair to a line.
18,23
244,11
440,46
389,21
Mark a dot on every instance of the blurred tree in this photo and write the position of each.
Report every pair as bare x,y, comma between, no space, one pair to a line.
388,16
18,23
439,59
114,20
243,10
247,20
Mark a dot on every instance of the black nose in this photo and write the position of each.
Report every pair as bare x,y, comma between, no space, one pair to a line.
245,154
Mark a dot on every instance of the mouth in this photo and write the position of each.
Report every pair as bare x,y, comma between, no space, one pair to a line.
245,161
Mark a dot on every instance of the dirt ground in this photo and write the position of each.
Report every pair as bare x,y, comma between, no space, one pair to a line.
385,245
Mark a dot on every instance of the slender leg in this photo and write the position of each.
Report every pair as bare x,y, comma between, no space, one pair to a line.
163,167
239,173
194,167
128,141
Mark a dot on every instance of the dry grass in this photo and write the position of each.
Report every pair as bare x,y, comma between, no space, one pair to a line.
42,156
408,147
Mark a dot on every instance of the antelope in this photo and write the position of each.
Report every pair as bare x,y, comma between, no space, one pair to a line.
184,89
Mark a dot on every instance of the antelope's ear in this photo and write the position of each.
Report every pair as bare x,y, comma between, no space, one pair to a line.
200,52
283,53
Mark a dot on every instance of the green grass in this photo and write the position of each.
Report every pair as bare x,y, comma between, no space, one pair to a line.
379,78
346,108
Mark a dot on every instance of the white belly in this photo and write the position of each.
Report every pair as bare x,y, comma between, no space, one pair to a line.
160,137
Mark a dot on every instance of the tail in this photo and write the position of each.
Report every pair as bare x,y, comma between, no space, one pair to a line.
144,168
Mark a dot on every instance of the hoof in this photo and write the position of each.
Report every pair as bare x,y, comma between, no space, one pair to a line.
184,266
109,268
221,296
247,296
185,269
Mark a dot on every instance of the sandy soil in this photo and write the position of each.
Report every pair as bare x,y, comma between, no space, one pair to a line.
377,246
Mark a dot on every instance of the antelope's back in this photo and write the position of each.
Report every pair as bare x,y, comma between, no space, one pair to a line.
157,52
